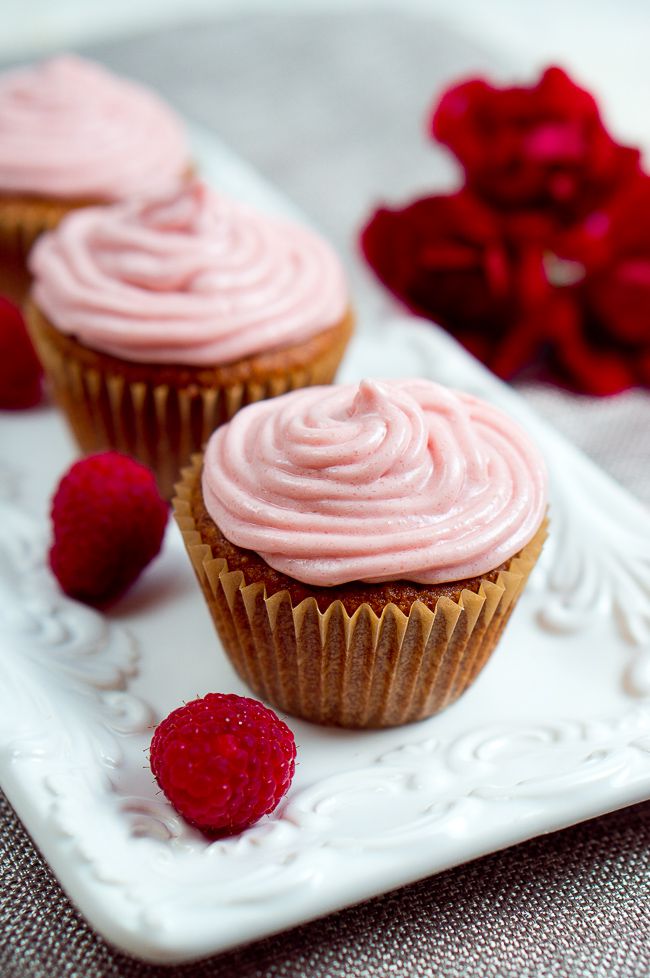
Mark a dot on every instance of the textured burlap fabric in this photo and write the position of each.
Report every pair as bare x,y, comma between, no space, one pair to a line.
330,108
573,904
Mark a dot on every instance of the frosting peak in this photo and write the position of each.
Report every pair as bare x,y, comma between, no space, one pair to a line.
69,128
191,278
385,481
369,399
184,211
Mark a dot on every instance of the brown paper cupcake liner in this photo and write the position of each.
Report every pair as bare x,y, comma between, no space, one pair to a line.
159,414
23,218
359,670
22,221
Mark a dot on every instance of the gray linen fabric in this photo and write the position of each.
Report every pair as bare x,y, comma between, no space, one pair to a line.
331,109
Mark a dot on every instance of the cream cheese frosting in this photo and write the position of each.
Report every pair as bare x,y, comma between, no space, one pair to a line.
71,129
195,278
384,481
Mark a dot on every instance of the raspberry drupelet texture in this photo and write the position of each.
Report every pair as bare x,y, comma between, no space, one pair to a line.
223,761
109,521
20,370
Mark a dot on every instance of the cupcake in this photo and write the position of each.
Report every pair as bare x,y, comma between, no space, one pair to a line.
361,548
156,321
72,134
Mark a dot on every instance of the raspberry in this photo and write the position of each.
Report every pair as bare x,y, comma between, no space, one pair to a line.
223,761
20,370
109,522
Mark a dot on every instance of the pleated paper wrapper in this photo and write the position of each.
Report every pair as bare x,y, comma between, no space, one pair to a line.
160,424
359,670
22,221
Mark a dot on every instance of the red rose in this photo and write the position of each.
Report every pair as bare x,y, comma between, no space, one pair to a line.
544,257
517,290
543,146
611,349
476,272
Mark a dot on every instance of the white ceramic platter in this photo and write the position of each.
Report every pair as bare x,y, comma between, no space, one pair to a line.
556,729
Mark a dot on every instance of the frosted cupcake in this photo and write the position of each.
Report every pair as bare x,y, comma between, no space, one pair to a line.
156,322
71,133
361,549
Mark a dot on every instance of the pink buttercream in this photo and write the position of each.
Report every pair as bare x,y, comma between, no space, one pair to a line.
69,128
385,481
196,279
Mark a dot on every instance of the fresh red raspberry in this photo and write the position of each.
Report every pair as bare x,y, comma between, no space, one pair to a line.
109,522
20,370
223,761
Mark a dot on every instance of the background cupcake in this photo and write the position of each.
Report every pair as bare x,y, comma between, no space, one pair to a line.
72,133
156,322
362,549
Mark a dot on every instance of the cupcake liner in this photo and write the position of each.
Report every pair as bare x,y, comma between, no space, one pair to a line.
113,404
22,220
359,670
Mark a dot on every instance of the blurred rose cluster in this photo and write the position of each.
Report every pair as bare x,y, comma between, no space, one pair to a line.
542,259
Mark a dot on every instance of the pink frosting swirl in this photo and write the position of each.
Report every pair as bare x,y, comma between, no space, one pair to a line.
69,128
195,279
385,481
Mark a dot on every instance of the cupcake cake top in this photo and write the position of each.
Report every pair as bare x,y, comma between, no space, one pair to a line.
384,481
69,128
193,279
